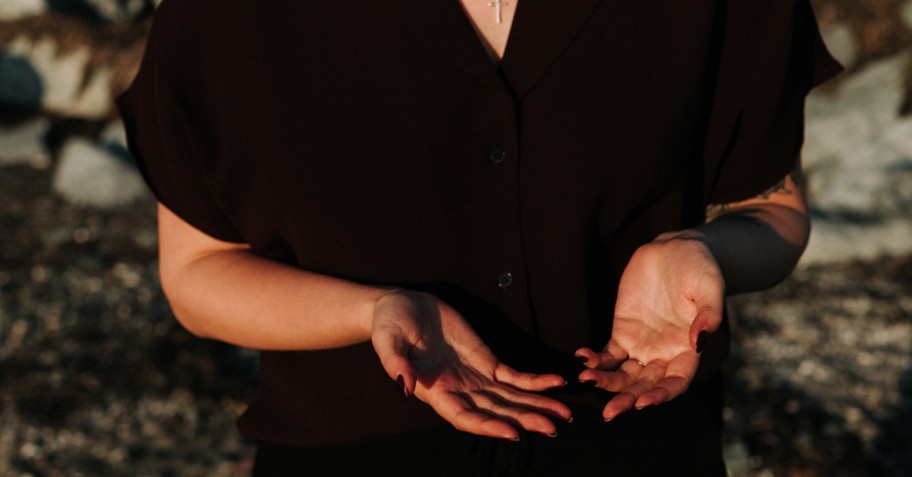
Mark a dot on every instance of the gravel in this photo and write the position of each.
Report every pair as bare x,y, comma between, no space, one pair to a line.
96,378
820,382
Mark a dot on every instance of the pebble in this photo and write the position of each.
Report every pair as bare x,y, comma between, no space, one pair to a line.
24,144
906,14
737,459
21,86
70,88
842,42
11,10
88,174
108,11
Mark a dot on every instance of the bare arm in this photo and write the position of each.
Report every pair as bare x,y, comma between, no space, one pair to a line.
223,291
757,242
671,294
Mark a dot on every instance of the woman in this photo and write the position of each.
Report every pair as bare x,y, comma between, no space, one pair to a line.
448,245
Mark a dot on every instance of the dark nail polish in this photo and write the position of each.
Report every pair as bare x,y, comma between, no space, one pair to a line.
581,359
589,382
401,382
701,340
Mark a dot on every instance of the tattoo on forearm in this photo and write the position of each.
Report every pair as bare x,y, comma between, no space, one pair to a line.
715,210
782,187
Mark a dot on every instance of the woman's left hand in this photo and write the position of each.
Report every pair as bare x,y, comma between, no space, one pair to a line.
670,299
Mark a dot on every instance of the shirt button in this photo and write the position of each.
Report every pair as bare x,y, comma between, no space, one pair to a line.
505,279
497,155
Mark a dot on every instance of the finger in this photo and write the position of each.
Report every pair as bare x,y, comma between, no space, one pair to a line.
520,416
707,321
464,416
393,354
629,372
625,400
664,391
609,359
684,365
678,375
536,402
585,356
613,381
527,381
612,357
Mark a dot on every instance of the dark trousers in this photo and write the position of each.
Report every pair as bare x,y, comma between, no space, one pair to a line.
682,437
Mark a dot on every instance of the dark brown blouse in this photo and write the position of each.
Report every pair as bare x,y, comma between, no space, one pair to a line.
375,141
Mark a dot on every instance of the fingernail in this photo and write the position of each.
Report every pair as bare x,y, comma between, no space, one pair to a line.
581,359
401,382
569,419
701,340
606,419
589,382
552,435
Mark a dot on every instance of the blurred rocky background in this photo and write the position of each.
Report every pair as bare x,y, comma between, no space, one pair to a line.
96,378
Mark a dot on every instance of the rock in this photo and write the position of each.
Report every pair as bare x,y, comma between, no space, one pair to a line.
118,10
906,14
21,87
858,157
114,134
71,88
101,10
114,139
840,39
87,174
16,9
737,459
25,143
833,242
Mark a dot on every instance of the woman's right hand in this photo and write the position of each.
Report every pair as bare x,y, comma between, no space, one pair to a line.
430,350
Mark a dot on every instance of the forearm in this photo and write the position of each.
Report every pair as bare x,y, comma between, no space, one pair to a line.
227,293
756,247
757,242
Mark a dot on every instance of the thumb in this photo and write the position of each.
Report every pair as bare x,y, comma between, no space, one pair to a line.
393,354
705,323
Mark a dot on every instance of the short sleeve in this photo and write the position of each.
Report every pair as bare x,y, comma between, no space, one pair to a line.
771,56
161,138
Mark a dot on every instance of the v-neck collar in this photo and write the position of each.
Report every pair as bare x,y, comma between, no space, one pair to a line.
541,31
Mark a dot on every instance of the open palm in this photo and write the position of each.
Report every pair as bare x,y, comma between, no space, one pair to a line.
435,355
670,296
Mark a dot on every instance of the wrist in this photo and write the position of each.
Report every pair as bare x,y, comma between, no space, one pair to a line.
692,234
365,307
689,246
